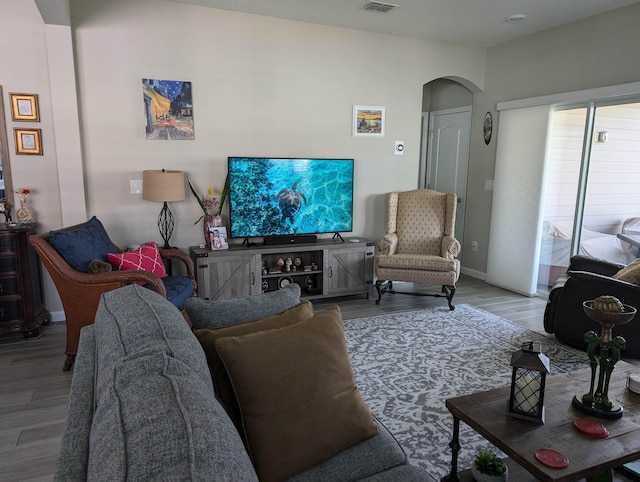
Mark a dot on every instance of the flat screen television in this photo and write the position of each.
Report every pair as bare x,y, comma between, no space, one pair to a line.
287,197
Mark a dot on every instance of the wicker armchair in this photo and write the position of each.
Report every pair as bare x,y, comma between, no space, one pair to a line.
80,291
419,246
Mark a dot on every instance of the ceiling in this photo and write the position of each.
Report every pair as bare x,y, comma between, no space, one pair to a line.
479,23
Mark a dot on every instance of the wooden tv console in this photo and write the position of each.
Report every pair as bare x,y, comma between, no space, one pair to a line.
323,269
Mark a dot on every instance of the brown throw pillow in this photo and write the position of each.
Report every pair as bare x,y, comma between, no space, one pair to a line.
208,336
297,394
630,273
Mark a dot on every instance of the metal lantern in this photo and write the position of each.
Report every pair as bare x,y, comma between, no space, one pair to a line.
530,368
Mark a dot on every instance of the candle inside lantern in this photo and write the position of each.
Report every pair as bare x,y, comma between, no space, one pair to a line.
527,394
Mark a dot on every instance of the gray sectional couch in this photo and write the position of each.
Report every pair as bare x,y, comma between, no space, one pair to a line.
142,404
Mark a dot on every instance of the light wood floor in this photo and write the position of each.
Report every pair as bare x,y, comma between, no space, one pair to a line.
34,390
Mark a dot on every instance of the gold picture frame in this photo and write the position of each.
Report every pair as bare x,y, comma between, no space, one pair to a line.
24,107
28,141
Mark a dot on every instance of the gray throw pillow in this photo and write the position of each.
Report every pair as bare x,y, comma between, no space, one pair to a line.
216,314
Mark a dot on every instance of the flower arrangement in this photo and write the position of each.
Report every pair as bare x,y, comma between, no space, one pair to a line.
209,203
23,191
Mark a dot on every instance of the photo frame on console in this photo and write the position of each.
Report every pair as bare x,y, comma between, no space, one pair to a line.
368,121
218,238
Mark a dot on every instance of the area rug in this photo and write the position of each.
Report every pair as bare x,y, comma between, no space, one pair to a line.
407,364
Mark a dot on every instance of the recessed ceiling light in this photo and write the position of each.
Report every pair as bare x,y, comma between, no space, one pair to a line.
515,18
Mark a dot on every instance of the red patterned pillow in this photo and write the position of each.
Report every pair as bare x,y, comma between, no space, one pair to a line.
146,257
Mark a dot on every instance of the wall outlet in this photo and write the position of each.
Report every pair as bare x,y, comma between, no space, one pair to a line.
474,246
399,148
488,184
136,186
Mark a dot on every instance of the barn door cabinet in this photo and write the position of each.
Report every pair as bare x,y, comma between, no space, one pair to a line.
324,269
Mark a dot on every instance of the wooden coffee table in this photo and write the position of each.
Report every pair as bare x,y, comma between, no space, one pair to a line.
485,412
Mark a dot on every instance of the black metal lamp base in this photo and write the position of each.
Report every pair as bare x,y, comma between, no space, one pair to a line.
614,412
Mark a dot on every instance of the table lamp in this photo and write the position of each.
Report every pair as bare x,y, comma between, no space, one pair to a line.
163,186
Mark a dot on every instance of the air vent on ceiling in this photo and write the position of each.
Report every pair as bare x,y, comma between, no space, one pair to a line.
380,6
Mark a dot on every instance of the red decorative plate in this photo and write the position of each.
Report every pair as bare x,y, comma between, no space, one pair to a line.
551,458
591,427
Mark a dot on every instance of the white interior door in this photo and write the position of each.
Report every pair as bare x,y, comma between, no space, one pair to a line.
448,156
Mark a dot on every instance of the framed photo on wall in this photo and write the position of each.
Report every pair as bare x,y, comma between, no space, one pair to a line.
24,107
368,121
28,141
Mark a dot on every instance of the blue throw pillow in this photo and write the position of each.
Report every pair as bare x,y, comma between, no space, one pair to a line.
80,245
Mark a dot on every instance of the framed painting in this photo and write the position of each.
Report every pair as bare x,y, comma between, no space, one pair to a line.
24,107
28,141
368,121
168,109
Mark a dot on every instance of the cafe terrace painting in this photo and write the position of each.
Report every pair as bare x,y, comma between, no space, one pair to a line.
168,109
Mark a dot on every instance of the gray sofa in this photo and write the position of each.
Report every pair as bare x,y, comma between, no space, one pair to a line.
142,404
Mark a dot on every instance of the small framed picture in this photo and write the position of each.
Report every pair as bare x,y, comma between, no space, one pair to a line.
368,121
218,238
24,107
28,141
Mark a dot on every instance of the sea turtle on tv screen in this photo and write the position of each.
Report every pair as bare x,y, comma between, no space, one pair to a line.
290,201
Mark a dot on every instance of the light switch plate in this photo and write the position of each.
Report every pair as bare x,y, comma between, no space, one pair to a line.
136,186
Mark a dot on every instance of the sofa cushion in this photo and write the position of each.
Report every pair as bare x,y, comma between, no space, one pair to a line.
630,273
82,244
357,461
297,394
212,314
146,258
158,420
207,338
178,289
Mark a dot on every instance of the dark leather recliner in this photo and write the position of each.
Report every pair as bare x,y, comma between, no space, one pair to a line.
586,279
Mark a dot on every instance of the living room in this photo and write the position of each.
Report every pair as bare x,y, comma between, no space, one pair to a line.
256,81
262,86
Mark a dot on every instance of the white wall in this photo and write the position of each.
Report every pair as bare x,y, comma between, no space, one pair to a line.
594,52
261,86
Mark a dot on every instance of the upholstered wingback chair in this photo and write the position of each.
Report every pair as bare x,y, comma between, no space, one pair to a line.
419,245
66,253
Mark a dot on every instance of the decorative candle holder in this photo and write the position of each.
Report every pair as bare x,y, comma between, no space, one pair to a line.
597,402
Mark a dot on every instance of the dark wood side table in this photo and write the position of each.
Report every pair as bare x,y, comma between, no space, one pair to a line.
21,296
485,412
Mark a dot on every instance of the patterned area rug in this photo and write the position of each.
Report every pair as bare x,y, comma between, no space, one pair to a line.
407,364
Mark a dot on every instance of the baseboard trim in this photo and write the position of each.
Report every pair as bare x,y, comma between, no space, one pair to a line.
57,316
473,273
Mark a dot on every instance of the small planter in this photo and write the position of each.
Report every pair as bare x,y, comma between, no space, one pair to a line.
480,477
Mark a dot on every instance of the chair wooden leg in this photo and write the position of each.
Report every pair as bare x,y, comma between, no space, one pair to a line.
68,363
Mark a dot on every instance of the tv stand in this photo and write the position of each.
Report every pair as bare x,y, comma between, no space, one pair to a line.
339,236
324,269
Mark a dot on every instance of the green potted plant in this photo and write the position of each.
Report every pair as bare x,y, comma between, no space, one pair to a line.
488,467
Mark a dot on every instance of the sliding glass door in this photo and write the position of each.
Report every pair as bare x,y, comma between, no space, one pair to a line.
591,186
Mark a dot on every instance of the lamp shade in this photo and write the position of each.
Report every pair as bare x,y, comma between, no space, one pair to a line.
163,185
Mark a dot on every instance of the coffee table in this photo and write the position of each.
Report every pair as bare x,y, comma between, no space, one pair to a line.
485,412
